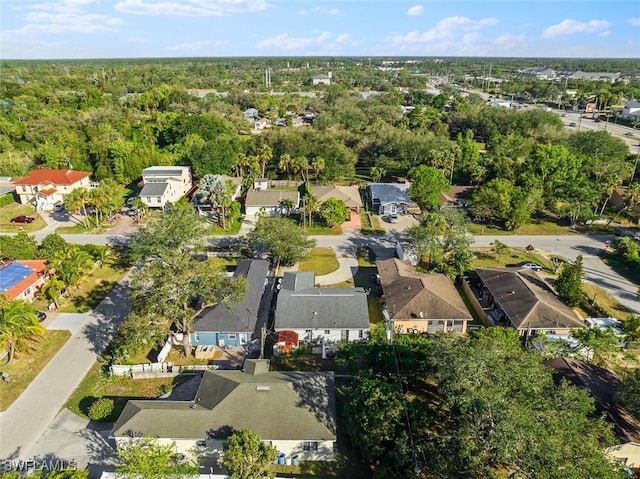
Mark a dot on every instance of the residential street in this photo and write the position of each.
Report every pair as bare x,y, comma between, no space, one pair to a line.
31,414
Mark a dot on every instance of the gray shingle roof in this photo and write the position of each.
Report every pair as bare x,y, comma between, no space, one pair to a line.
322,308
154,189
237,317
294,280
276,405
271,197
527,299
386,193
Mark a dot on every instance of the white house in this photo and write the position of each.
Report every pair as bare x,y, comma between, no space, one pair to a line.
292,410
45,188
269,201
322,79
318,315
164,184
631,110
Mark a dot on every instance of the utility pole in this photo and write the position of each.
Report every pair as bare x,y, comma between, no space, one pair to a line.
263,337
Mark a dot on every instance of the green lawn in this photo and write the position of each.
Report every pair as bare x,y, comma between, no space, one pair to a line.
26,365
232,228
323,230
16,209
603,299
321,261
370,224
485,258
97,384
80,228
625,269
540,224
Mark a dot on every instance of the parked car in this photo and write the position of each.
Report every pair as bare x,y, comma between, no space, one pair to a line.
23,219
58,207
598,120
130,201
533,266
630,133
573,123
41,316
393,218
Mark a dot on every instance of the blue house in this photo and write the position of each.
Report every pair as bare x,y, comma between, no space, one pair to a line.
388,198
234,324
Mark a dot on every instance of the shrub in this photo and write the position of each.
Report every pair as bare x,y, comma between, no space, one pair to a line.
101,409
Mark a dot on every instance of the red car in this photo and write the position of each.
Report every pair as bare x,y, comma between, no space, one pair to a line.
23,219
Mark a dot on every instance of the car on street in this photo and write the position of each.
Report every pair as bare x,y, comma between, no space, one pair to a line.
41,316
573,123
23,219
630,133
533,266
598,120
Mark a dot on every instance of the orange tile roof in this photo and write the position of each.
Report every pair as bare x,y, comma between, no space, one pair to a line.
55,177
48,191
38,267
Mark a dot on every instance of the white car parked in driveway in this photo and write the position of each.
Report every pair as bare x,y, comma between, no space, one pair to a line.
533,266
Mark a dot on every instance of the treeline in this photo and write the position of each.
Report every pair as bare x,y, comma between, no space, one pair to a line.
477,406
115,123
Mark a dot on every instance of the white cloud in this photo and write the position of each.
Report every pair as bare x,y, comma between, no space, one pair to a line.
571,27
138,40
302,12
192,8
63,6
415,11
330,11
324,42
634,21
57,23
193,46
447,28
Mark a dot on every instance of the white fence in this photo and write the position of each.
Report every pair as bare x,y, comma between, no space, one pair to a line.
156,370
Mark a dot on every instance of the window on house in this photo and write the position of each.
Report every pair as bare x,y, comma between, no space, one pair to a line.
360,334
197,336
327,332
344,335
27,292
24,189
310,445
232,335
158,200
148,199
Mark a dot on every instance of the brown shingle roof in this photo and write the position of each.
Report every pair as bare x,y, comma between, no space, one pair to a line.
349,194
409,293
527,299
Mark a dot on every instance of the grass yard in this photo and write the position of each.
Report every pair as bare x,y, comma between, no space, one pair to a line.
370,224
17,209
604,300
321,261
232,228
625,269
97,384
26,365
316,230
80,228
364,278
485,258
93,289
539,225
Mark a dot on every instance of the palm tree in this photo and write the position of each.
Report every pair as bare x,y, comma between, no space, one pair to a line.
633,196
318,165
71,265
300,165
285,164
242,162
76,201
264,155
286,205
311,206
377,173
53,291
18,326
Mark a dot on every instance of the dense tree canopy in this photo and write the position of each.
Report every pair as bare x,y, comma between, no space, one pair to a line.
284,241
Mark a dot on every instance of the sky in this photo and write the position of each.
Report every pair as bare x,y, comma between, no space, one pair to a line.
60,29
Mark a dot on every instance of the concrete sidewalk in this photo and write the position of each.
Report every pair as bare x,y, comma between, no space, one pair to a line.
346,271
31,414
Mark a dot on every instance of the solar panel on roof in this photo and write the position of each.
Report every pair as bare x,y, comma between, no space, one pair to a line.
12,274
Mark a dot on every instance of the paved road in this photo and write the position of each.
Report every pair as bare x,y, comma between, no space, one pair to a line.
29,416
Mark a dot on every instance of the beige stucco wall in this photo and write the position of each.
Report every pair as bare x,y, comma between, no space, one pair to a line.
628,454
27,193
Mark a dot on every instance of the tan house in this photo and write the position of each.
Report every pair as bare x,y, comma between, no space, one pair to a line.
22,279
350,195
44,188
164,184
420,302
627,454
293,410
520,298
